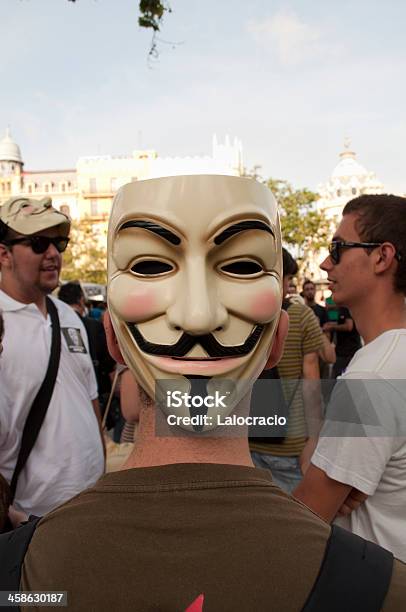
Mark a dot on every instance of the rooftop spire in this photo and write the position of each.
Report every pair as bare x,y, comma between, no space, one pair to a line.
347,153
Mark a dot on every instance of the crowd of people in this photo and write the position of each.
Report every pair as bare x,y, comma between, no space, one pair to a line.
192,504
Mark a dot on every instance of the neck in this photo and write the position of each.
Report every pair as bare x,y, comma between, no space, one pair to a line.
151,450
310,302
19,294
382,313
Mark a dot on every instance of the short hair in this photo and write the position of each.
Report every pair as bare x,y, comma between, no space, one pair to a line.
382,218
71,293
290,266
308,281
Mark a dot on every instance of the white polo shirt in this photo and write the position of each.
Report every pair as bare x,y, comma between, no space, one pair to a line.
68,454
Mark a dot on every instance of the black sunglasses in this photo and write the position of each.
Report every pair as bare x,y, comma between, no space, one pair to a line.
40,244
334,248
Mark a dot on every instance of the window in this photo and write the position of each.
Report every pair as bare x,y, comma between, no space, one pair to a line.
94,208
354,191
338,193
63,186
30,188
46,188
92,185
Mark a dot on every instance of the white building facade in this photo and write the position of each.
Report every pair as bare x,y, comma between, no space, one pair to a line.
86,192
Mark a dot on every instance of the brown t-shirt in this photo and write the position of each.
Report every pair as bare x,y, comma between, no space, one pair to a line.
155,539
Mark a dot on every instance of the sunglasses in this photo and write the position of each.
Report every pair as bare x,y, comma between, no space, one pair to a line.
334,248
40,244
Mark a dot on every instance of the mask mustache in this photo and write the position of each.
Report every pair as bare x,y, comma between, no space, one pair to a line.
186,343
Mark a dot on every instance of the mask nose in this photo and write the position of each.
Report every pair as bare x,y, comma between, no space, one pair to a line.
197,309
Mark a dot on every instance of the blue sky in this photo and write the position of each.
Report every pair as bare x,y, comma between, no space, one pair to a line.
290,79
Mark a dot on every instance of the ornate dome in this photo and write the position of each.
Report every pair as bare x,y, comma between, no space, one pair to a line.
9,150
348,180
348,166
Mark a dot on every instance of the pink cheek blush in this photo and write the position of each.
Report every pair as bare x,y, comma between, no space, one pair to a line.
138,305
264,307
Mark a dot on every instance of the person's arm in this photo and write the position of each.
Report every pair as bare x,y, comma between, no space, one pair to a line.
328,352
346,326
96,408
312,405
321,493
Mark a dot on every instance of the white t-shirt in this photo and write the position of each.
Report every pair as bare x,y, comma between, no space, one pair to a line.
375,463
68,454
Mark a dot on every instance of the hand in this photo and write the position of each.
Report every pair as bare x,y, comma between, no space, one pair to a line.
353,501
327,327
16,516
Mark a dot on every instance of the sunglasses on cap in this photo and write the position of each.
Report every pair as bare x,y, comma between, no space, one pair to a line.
334,248
40,244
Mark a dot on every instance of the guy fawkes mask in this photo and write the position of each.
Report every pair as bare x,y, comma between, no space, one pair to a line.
194,281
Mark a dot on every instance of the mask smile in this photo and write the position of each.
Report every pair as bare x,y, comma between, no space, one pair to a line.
186,343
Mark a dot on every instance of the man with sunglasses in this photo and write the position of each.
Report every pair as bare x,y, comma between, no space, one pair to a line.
359,467
67,456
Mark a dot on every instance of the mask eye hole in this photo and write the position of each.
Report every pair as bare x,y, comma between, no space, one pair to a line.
152,267
243,267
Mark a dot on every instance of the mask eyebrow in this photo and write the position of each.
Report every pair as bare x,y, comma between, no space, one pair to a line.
155,228
242,227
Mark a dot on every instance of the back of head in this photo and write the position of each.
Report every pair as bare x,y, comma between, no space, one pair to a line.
70,293
382,218
290,267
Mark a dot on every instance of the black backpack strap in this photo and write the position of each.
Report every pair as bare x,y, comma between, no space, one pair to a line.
40,404
13,547
354,576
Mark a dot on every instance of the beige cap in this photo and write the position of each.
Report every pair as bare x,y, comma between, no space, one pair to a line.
28,216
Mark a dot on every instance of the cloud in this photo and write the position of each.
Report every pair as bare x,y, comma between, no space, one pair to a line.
293,40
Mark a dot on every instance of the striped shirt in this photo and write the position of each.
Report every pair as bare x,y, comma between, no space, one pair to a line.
304,337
